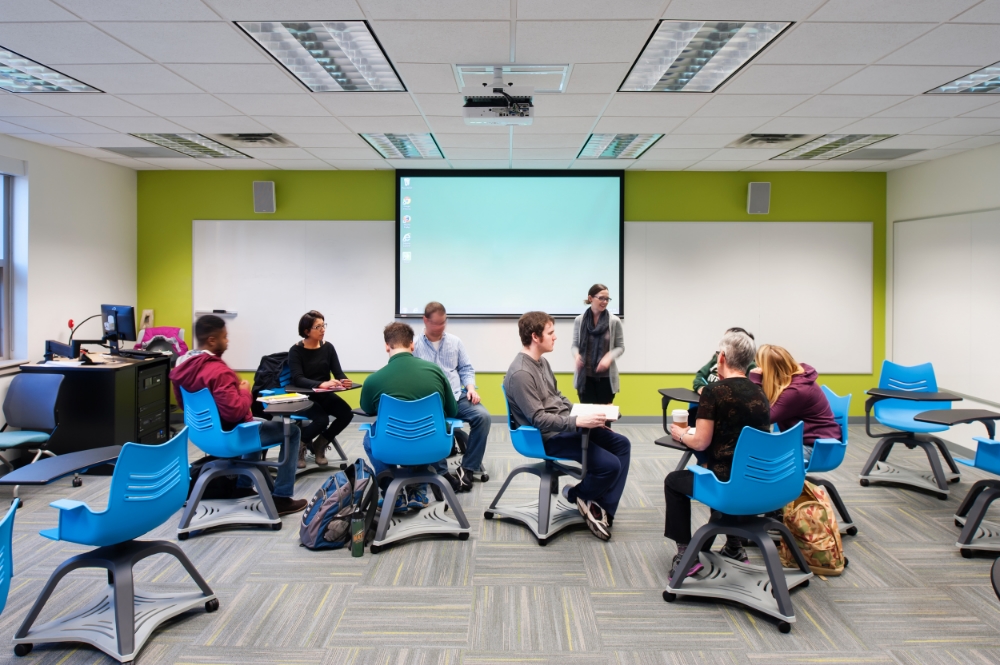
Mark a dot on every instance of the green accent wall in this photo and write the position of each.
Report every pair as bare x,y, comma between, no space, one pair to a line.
168,201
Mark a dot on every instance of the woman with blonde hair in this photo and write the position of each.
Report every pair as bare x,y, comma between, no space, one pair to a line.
794,395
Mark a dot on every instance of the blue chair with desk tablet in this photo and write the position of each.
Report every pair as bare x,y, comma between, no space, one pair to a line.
148,486
551,513
767,474
978,535
201,416
828,454
413,435
30,406
7,551
898,413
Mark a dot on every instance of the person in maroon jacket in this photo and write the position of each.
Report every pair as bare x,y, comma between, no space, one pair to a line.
205,368
791,389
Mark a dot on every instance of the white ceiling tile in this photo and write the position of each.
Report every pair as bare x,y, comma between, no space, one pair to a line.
742,10
95,153
335,154
427,77
44,139
180,105
11,104
963,126
569,105
54,44
934,11
56,125
745,154
479,163
550,140
779,165
602,164
635,125
922,141
446,124
303,124
661,104
300,164
743,105
883,167
844,106
272,10
606,77
991,111
951,44
270,154
142,125
790,125
476,140
183,42
545,153
696,140
897,80
183,163
658,154
33,10
974,142
929,154
126,78
401,124
840,43
936,106
243,165
553,164
476,153
841,165
720,125
437,104
357,164
284,105
445,41
581,41
133,164
311,141
888,126
129,10
240,78
655,165
107,140
429,10
707,165
788,79
368,103
985,12
236,124
556,10
562,125
89,104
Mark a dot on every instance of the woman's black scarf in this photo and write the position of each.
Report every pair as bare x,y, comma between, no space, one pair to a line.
592,343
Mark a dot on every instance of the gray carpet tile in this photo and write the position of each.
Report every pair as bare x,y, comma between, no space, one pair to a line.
907,597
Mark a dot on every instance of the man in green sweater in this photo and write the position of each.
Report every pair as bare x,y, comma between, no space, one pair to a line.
408,378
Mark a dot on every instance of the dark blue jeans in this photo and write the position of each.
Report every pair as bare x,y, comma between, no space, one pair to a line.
609,454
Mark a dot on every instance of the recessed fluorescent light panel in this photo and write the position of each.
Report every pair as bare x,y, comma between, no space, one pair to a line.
697,56
832,146
19,74
617,146
328,56
405,146
986,79
193,145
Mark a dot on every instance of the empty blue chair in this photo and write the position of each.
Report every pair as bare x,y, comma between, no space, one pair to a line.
7,551
767,474
148,486
975,535
545,517
30,406
828,454
202,419
898,414
413,435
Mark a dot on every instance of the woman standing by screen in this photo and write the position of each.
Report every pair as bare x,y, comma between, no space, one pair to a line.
598,341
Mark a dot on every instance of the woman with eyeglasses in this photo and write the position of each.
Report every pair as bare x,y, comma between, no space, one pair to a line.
312,362
598,341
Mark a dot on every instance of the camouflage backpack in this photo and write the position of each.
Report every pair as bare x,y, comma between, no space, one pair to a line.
813,523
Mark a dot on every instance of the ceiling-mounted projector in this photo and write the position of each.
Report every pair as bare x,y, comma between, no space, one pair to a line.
497,104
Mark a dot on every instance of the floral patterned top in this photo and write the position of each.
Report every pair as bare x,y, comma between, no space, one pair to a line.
731,404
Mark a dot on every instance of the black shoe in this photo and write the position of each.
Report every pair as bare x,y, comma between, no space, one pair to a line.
463,480
737,553
453,480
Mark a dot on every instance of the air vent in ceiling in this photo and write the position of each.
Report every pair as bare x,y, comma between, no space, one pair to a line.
152,152
771,140
253,140
880,153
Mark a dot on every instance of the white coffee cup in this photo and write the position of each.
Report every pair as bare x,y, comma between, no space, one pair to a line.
680,417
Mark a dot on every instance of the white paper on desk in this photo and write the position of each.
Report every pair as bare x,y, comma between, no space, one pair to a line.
609,411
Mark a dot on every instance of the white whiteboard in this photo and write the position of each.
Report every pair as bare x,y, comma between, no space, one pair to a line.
946,299
806,286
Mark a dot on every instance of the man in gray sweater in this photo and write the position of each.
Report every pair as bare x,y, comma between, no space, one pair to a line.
535,400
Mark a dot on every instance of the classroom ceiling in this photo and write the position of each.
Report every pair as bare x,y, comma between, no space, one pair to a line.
183,66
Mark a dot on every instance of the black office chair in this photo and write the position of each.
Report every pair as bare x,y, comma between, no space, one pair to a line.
30,406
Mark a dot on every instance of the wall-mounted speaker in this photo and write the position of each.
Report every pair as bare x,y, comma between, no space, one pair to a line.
263,196
758,198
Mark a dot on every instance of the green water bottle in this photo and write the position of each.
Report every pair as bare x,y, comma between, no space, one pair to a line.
357,532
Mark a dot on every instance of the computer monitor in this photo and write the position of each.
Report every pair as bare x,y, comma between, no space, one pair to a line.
118,322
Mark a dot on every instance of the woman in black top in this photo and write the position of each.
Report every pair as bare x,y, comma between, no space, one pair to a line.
727,406
312,361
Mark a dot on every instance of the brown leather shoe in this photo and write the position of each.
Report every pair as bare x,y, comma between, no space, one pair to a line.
301,464
319,446
286,505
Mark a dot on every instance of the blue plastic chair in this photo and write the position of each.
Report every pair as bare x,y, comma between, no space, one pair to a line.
828,454
30,406
899,415
148,486
202,419
413,435
767,474
982,494
7,551
545,518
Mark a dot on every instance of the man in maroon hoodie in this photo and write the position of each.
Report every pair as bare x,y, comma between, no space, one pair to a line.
204,368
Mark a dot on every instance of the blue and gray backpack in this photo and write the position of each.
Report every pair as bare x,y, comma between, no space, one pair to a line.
326,522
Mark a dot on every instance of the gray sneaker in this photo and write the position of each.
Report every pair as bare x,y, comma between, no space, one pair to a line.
596,518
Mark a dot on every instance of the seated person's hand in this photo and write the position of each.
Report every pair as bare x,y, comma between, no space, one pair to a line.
473,396
676,432
245,385
591,420
346,383
331,384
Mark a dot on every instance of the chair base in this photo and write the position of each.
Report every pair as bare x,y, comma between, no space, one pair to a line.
889,474
984,537
561,515
555,513
978,534
876,469
430,521
119,621
249,511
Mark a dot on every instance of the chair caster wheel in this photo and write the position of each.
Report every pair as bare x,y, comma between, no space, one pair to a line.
669,597
78,482
343,467
183,536
966,552
847,562
804,584
485,478
959,524
23,649
488,515
852,531
375,549
463,536
276,527
942,497
864,482
784,627
212,605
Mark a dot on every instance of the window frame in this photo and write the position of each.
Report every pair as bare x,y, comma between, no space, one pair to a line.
6,266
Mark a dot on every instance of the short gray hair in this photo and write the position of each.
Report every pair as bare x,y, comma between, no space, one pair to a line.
739,349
